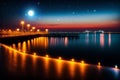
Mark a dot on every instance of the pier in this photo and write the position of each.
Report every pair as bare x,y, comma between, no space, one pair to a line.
9,37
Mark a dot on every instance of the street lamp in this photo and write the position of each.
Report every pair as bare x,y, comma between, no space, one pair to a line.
38,30
28,26
33,28
46,30
18,29
22,23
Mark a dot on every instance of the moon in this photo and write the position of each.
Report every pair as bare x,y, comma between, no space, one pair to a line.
31,13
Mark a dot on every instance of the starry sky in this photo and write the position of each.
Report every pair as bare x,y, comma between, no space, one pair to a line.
62,14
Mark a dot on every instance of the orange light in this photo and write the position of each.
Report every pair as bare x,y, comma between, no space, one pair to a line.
22,22
72,59
33,28
59,58
34,54
46,30
99,64
46,55
17,29
82,62
28,25
38,30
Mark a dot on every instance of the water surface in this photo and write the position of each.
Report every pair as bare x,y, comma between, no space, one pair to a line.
38,58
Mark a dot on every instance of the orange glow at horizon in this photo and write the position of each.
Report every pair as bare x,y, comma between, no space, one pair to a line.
106,24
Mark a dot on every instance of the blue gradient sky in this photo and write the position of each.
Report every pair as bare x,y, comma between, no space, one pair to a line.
83,13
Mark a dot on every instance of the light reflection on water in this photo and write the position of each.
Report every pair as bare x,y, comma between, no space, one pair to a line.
46,63
24,47
72,69
98,38
53,41
40,65
87,38
59,67
43,43
21,62
109,39
102,42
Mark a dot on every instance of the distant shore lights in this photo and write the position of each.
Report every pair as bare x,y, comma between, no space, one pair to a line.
46,30
22,23
28,27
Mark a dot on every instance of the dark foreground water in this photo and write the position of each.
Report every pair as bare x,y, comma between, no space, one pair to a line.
50,58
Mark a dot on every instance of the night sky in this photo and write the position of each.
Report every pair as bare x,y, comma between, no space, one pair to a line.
62,14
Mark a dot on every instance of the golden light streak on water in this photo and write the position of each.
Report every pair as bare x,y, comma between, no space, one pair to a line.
32,42
24,47
11,60
14,46
72,69
37,41
13,55
28,45
10,52
23,56
46,42
19,46
14,59
41,42
46,65
23,61
34,63
59,65
82,68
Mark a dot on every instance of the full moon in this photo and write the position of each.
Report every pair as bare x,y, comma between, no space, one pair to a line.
30,12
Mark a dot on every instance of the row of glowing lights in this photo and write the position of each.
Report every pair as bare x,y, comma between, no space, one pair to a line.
59,58
28,27
73,60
